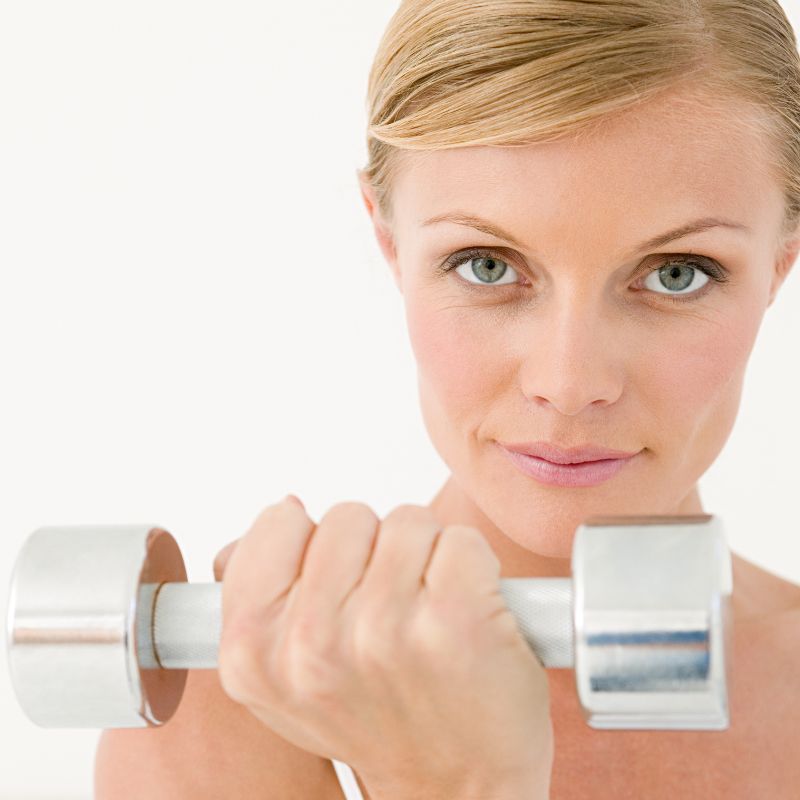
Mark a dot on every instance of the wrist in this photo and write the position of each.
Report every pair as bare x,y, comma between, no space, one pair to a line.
466,787
454,794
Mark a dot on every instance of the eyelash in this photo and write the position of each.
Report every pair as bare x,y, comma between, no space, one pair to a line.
707,266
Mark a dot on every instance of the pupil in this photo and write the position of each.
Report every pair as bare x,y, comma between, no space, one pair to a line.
490,268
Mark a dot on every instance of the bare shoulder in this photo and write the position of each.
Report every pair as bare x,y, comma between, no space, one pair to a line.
211,748
766,611
761,593
766,653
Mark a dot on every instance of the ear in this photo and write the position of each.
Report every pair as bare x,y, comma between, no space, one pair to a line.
383,232
786,257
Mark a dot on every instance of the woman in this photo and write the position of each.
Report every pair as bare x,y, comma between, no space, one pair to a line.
587,208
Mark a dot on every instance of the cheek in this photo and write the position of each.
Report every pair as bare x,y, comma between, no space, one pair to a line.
692,382
683,381
457,359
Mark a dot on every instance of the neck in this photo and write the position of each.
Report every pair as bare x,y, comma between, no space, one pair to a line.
452,505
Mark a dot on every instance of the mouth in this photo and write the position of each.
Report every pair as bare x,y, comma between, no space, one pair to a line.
556,454
584,473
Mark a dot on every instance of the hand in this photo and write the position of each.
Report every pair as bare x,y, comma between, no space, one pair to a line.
386,645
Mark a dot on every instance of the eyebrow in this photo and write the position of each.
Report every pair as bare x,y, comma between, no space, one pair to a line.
485,226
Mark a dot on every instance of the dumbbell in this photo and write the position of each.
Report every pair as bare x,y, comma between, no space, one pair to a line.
102,624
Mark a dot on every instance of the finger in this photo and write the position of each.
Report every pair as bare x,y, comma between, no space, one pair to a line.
334,562
463,566
394,577
221,559
267,560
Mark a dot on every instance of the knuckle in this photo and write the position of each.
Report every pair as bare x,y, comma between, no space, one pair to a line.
425,637
468,536
373,649
353,510
466,533
407,513
272,512
307,672
449,617
305,631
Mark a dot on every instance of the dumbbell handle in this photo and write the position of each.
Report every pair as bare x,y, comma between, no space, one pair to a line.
187,621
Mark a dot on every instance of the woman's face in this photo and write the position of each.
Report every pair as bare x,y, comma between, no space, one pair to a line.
581,340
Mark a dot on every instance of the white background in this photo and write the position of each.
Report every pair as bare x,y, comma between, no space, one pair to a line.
195,318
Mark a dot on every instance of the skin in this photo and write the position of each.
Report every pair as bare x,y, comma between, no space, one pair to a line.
615,365
576,350
339,628
578,354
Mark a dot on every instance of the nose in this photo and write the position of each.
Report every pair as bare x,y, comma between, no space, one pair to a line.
575,358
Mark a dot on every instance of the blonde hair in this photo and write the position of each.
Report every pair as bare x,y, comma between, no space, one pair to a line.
458,73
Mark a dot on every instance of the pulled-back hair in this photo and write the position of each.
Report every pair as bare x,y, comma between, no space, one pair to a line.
457,73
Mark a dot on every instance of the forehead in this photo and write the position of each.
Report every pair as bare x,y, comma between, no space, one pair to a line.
671,159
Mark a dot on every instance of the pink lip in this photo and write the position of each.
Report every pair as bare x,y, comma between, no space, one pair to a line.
570,455
588,473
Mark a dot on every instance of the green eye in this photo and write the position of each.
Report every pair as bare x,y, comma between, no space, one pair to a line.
487,270
677,278
485,267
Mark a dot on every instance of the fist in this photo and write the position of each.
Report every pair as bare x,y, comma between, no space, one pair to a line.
385,644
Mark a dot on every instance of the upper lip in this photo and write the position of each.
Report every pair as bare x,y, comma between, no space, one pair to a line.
566,455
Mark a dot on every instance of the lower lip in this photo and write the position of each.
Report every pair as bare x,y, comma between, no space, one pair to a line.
589,473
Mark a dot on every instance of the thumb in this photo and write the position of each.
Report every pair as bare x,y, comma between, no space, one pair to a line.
221,559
